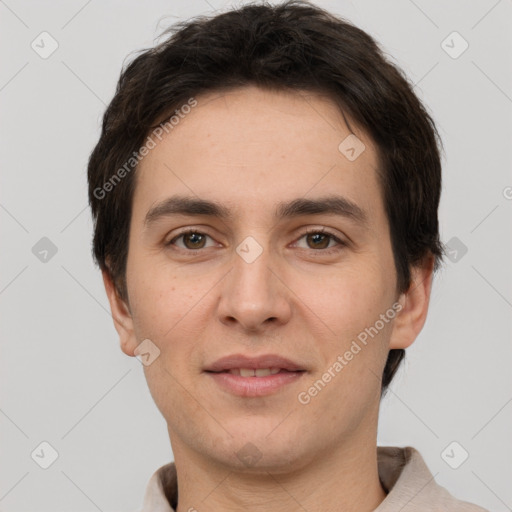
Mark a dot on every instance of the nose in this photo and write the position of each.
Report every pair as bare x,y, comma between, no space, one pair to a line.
254,295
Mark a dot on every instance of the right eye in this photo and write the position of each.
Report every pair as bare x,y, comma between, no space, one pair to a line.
192,240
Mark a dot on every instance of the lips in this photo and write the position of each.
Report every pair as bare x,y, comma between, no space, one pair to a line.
253,377
249,372
267,364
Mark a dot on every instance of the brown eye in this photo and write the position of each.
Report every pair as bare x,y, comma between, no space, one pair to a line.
190,240
194,240
318,240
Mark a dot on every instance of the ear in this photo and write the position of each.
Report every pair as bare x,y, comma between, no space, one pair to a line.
411,318
121,315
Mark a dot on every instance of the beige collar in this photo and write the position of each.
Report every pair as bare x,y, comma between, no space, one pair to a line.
402,471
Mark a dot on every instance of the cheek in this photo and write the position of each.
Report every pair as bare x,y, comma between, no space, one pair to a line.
353,341
169,309
352,346
158,297
347,301
163,305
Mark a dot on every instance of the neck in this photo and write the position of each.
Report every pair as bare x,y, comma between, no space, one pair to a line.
343,479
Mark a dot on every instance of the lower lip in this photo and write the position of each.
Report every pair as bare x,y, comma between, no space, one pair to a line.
254,386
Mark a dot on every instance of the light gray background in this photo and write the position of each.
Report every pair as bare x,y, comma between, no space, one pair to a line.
64,379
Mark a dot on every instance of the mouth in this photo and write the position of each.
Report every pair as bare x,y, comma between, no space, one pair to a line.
272,363
253,383
254,376
259,372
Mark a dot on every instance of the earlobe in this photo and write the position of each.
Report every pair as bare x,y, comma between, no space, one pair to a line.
121,315
415,301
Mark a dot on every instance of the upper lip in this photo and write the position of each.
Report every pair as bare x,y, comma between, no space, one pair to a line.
254,363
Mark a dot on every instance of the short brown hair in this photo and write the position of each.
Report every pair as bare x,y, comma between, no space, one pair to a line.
292,46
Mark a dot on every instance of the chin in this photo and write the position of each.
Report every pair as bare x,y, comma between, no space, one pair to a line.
261,450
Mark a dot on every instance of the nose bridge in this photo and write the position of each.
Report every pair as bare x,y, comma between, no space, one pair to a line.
251,270
252,294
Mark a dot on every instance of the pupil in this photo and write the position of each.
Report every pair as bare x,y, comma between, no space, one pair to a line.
316,239
195,236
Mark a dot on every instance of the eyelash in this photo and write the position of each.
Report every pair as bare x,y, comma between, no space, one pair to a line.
340,243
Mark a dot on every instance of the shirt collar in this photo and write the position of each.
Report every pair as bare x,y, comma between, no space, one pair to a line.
402,471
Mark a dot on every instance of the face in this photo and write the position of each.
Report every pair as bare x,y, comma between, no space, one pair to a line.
303,282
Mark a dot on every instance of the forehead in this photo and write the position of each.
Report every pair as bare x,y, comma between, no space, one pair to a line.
251,149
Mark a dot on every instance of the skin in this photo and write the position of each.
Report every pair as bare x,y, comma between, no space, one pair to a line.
250,149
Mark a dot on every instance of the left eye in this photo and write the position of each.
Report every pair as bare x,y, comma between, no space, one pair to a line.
320,240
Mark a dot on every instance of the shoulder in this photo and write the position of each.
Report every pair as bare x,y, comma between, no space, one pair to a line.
411,486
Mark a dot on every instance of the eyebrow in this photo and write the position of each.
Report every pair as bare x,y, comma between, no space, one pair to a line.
193,206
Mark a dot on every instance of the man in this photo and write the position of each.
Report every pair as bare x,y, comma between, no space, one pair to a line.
265,194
